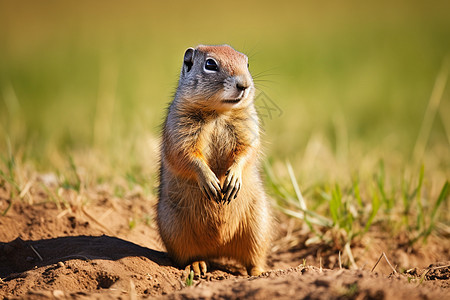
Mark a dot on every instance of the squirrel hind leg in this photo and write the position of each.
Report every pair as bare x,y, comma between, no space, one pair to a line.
254,270
199,268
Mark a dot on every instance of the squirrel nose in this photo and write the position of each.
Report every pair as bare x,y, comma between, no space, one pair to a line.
241,87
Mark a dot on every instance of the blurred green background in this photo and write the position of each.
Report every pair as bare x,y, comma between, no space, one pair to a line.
352,75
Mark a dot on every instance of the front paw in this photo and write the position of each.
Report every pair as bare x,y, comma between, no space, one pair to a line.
210,186
232,184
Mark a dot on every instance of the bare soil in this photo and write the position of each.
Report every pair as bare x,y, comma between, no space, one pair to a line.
101,247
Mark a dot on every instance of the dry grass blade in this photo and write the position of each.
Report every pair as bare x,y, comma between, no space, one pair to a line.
350,255
376,264
320,264
440,267
387,260
96,221
313,217
133,293
26,188
37,253
105,214
422,277
296,187
63,213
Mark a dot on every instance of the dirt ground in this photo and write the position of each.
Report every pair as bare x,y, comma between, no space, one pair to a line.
108,247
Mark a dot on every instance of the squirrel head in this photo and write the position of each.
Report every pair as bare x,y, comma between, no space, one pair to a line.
216,77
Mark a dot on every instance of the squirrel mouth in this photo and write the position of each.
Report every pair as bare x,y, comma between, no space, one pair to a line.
232,100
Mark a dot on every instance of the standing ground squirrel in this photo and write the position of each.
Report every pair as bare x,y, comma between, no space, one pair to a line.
211,196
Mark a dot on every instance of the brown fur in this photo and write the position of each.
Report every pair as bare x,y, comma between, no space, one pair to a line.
200,135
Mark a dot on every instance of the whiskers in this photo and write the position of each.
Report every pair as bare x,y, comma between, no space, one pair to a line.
264,77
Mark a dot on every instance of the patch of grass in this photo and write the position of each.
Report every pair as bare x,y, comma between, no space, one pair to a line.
388,201
349,212
55,197
190,279
132,223
291,206
352,290
10,175
147,219
119,191
426,230
375,206
72,180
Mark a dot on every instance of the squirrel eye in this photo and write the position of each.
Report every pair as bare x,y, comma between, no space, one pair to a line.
211,65
248,65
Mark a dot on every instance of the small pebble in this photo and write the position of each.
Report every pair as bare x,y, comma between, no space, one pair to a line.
58,293
60,264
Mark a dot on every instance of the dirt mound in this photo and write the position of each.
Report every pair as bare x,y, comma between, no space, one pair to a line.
86,262
312,283
51,252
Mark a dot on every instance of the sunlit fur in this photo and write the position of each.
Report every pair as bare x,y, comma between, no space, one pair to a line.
202,130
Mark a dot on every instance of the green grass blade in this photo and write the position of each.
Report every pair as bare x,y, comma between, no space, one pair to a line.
356,191
9,204
376,204
336,205
420,215
406,204
442,196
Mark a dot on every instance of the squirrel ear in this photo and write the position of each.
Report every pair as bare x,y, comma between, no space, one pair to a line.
188,59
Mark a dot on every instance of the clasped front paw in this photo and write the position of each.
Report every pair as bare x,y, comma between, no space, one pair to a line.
232,185
210,186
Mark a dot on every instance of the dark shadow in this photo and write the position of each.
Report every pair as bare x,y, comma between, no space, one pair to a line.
19,255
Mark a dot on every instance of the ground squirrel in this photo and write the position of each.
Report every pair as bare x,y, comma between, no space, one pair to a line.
211,197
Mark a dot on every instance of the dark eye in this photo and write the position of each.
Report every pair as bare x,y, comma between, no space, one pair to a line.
211,65
248,65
